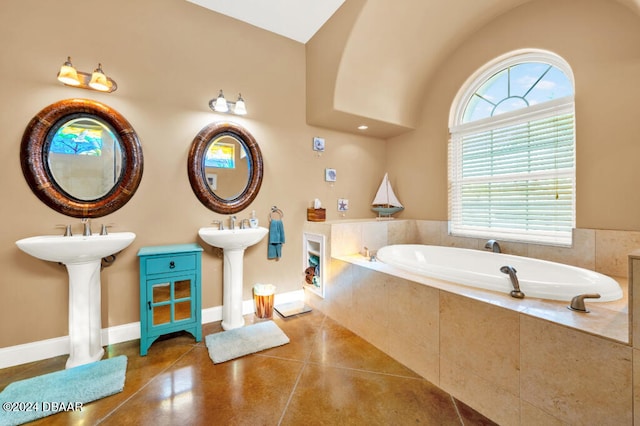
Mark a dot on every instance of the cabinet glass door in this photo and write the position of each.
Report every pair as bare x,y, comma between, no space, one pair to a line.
161,300
171,301
183,300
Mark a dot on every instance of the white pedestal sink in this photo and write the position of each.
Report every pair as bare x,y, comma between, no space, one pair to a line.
233,242
82,256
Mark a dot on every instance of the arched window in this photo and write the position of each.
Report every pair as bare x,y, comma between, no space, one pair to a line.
512,151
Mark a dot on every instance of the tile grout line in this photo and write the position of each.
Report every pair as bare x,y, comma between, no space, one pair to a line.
305,362
455,407
148,383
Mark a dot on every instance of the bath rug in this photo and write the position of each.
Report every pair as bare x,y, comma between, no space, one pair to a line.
238,342
67,390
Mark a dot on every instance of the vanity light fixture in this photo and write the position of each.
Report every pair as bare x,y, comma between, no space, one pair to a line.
97,80
220,104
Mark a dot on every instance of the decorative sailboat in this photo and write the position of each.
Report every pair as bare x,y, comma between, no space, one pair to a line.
385,202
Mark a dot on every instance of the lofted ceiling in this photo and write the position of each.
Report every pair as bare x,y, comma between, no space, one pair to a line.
299,20
361,53
295,19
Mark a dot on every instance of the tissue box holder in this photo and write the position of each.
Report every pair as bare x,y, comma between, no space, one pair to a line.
316,215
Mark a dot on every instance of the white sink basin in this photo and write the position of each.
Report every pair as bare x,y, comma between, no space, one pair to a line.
233,242
76,248
82,255
232,239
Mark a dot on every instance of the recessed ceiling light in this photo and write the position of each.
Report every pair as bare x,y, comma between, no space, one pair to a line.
363,127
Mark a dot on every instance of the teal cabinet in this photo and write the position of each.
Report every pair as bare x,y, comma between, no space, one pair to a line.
170,292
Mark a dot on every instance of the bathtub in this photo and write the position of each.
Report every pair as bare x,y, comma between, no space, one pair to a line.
481,269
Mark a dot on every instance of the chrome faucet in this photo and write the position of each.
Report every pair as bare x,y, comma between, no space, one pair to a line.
511,271
244,223
86,227
67,230
232,222
219,223
493,245
368,254
103,229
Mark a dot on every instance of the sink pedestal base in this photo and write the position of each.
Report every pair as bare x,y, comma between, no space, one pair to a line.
232,289
233,242
85,318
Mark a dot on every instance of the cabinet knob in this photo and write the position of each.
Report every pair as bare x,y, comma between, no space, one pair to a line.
172,264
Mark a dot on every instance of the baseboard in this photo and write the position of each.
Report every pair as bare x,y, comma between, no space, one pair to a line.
49,348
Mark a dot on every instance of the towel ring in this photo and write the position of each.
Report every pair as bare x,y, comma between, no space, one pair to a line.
275,210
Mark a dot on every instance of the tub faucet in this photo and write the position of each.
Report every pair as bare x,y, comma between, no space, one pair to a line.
511,271
493,245
577,303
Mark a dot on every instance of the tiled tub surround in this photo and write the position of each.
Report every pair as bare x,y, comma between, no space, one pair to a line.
516,361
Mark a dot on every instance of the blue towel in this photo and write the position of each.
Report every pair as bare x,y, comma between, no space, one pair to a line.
276,239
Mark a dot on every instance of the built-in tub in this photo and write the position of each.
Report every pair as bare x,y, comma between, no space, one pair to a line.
481,269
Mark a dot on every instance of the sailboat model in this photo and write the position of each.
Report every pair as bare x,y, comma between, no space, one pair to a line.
385,202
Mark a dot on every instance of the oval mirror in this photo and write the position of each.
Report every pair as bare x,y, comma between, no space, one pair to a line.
225,167
81,158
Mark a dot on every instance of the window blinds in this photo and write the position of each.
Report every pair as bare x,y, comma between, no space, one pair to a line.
512,176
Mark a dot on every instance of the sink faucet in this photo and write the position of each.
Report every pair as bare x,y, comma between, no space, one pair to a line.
511,271
103,229
244,223
67,230
86,227
493,245
219,223
232,222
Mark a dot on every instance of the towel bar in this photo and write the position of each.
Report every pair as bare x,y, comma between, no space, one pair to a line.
275,210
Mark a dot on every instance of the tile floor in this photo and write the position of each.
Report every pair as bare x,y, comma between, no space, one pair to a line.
326,375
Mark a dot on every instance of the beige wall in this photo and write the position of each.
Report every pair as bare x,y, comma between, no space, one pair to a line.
169,58
600,40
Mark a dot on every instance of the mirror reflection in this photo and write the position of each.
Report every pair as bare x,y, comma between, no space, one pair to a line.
81,158
84,158
226,167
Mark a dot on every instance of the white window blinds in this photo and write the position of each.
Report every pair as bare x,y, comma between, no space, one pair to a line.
512,176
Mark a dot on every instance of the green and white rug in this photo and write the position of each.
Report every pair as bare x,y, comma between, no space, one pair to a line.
238,342
66,390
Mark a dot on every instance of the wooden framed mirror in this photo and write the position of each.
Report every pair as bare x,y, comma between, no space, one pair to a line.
81,158
225,167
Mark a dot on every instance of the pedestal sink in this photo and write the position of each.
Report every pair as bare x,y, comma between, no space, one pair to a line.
82,256
233,242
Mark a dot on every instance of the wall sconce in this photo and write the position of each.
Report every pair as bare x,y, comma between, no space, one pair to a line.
97,80
220,104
